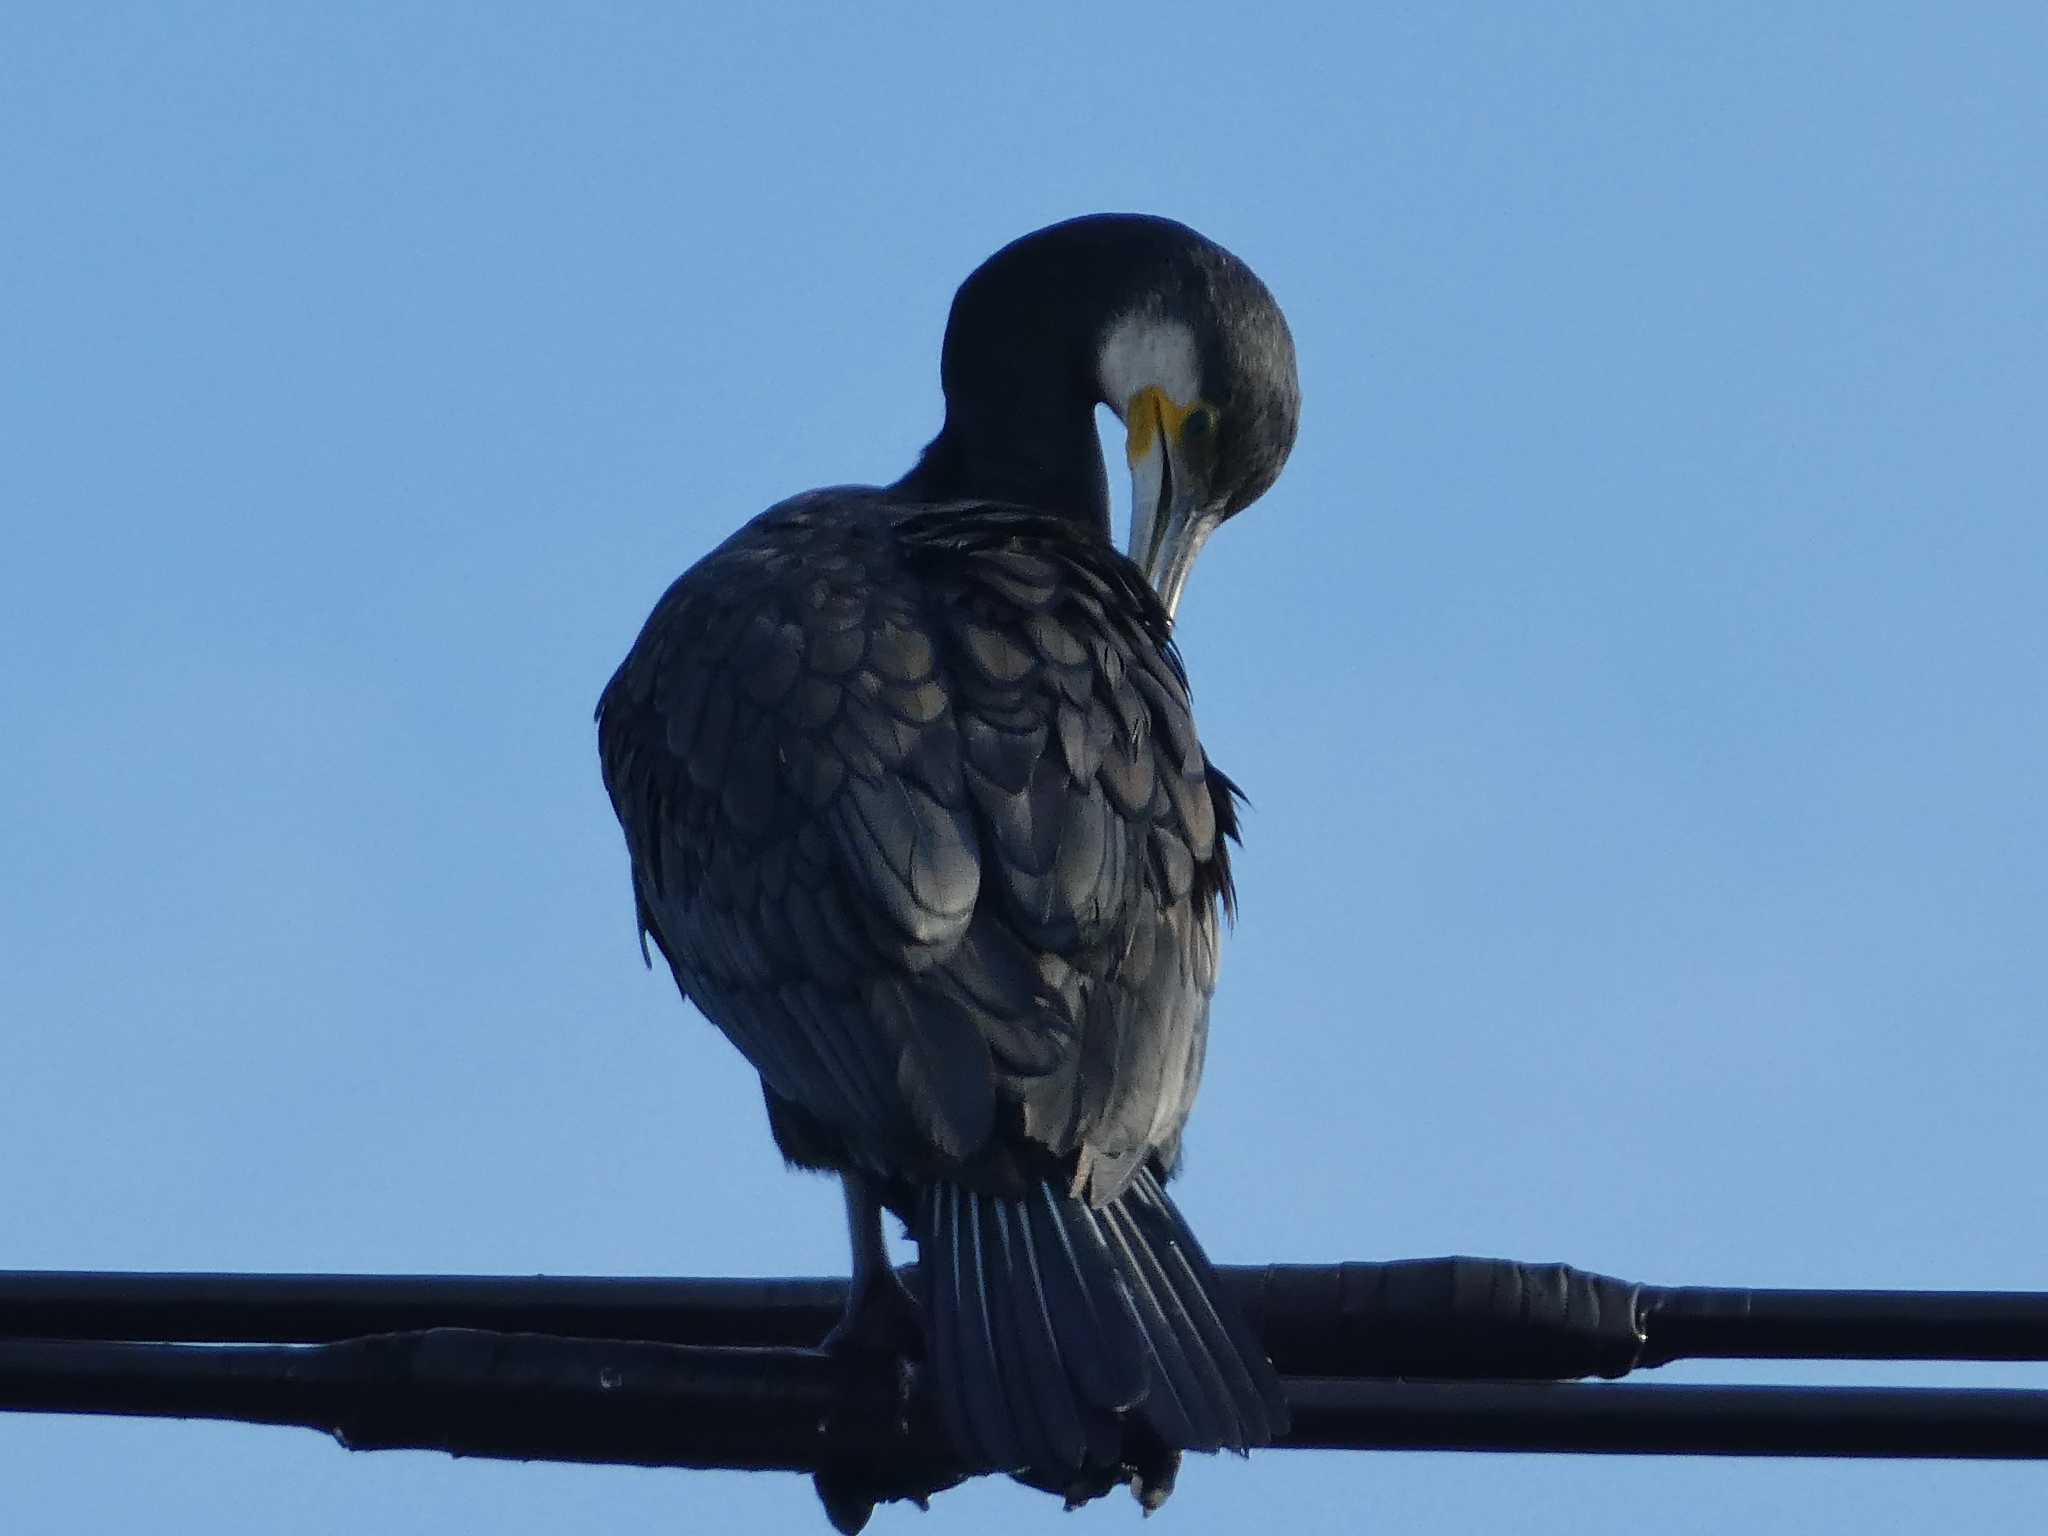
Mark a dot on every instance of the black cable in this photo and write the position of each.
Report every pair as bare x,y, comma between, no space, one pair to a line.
530,1397
1459,1317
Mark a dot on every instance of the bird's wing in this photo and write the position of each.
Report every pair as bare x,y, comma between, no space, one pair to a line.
918,816
1102,828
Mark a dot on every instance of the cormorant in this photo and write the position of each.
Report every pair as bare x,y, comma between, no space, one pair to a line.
919,818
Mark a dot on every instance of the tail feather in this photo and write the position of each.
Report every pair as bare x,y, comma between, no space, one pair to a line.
1008,1342
1090,1317
1051,1322
1187,1411
1030,1327
989,1418
1221,1341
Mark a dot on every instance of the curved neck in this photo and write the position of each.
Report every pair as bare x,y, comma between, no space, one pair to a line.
1041,455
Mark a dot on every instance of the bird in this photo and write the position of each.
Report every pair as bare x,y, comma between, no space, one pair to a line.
918,816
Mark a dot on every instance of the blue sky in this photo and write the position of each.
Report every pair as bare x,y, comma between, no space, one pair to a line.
1638,673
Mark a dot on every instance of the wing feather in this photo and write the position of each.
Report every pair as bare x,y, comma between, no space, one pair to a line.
919,817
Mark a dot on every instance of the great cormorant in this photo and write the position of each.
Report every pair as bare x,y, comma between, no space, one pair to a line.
919,818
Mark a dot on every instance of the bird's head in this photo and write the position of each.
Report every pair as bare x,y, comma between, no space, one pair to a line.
1200,370
1169,330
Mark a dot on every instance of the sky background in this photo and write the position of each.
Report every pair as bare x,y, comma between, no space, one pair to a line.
1638,673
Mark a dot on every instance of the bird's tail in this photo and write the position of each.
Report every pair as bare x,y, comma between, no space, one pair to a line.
1049,1322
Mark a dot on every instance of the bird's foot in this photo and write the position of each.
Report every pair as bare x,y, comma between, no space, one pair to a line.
881,1318
1147,1466
875,1343
1150,1475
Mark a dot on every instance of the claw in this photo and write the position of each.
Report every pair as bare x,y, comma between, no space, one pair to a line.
881,1318
874,1345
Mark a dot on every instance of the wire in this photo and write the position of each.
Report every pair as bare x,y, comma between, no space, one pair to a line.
1459,1317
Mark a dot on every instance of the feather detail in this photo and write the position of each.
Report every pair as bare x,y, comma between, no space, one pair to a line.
1053,1323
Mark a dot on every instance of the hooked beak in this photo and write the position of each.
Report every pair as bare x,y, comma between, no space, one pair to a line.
1170,519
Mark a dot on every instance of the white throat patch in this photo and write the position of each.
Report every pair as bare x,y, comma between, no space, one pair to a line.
1143,351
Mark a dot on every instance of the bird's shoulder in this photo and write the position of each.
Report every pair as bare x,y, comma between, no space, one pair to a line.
946,664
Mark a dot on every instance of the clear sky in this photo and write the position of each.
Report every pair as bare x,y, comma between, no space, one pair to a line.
1638,673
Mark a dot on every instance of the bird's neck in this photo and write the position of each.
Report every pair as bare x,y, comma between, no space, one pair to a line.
1051,461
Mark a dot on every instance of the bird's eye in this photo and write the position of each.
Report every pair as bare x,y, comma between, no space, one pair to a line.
1201,422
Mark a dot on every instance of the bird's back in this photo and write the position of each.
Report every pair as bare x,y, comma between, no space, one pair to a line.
918,815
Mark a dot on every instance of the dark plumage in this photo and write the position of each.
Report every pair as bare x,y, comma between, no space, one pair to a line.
919,818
